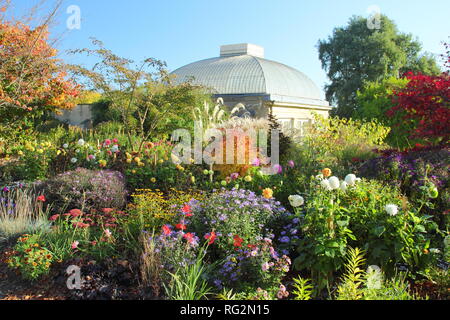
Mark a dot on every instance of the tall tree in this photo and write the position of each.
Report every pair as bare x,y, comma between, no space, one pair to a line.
32,79
143,95
356,54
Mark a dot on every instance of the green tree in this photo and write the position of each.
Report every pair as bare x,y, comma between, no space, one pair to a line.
375,99
142,96
356,54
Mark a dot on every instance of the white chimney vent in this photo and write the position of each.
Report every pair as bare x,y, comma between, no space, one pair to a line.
241,49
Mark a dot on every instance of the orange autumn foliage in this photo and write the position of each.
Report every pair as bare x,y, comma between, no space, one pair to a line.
32,79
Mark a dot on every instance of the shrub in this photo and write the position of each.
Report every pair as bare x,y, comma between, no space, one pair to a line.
30,258
257,266
357,284
424,102
365,215
175,250
341,143
86,190
92,235
239,218
151,209
413,169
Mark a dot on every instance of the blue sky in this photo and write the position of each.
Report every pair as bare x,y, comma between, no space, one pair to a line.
184,31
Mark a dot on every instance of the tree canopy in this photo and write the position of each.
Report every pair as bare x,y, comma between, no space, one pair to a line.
32,79
355,54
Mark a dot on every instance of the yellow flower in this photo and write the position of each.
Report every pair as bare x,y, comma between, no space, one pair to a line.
153,180
248,179
268,193
58,152
102,163
133,171
20,153
129,160
40,151
161,161
137,160
327,172
141,164
129,156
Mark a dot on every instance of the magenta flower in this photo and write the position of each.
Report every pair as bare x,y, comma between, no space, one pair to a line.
234,176
278,168
291,164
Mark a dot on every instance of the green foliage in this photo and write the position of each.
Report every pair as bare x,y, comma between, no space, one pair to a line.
333,220
303,290
375,99
339,143
152,209
353,276
147,102
189,284
356,54
357,284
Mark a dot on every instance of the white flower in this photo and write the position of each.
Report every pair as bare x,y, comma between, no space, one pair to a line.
77,151
358,180
392,209
344,186
319,177
74,160
326,185
334,183
350,179
296,201
65,145
435,251
81,142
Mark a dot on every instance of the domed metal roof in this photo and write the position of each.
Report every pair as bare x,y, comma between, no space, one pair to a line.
246,72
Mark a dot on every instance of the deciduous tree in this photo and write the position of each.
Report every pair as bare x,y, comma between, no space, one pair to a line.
32,79
356,54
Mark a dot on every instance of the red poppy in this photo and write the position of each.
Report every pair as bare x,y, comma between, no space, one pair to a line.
187,210
41,199
238,241
166,230
211,237
181,226
107,210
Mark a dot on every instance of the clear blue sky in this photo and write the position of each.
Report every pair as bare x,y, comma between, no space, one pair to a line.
184,31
